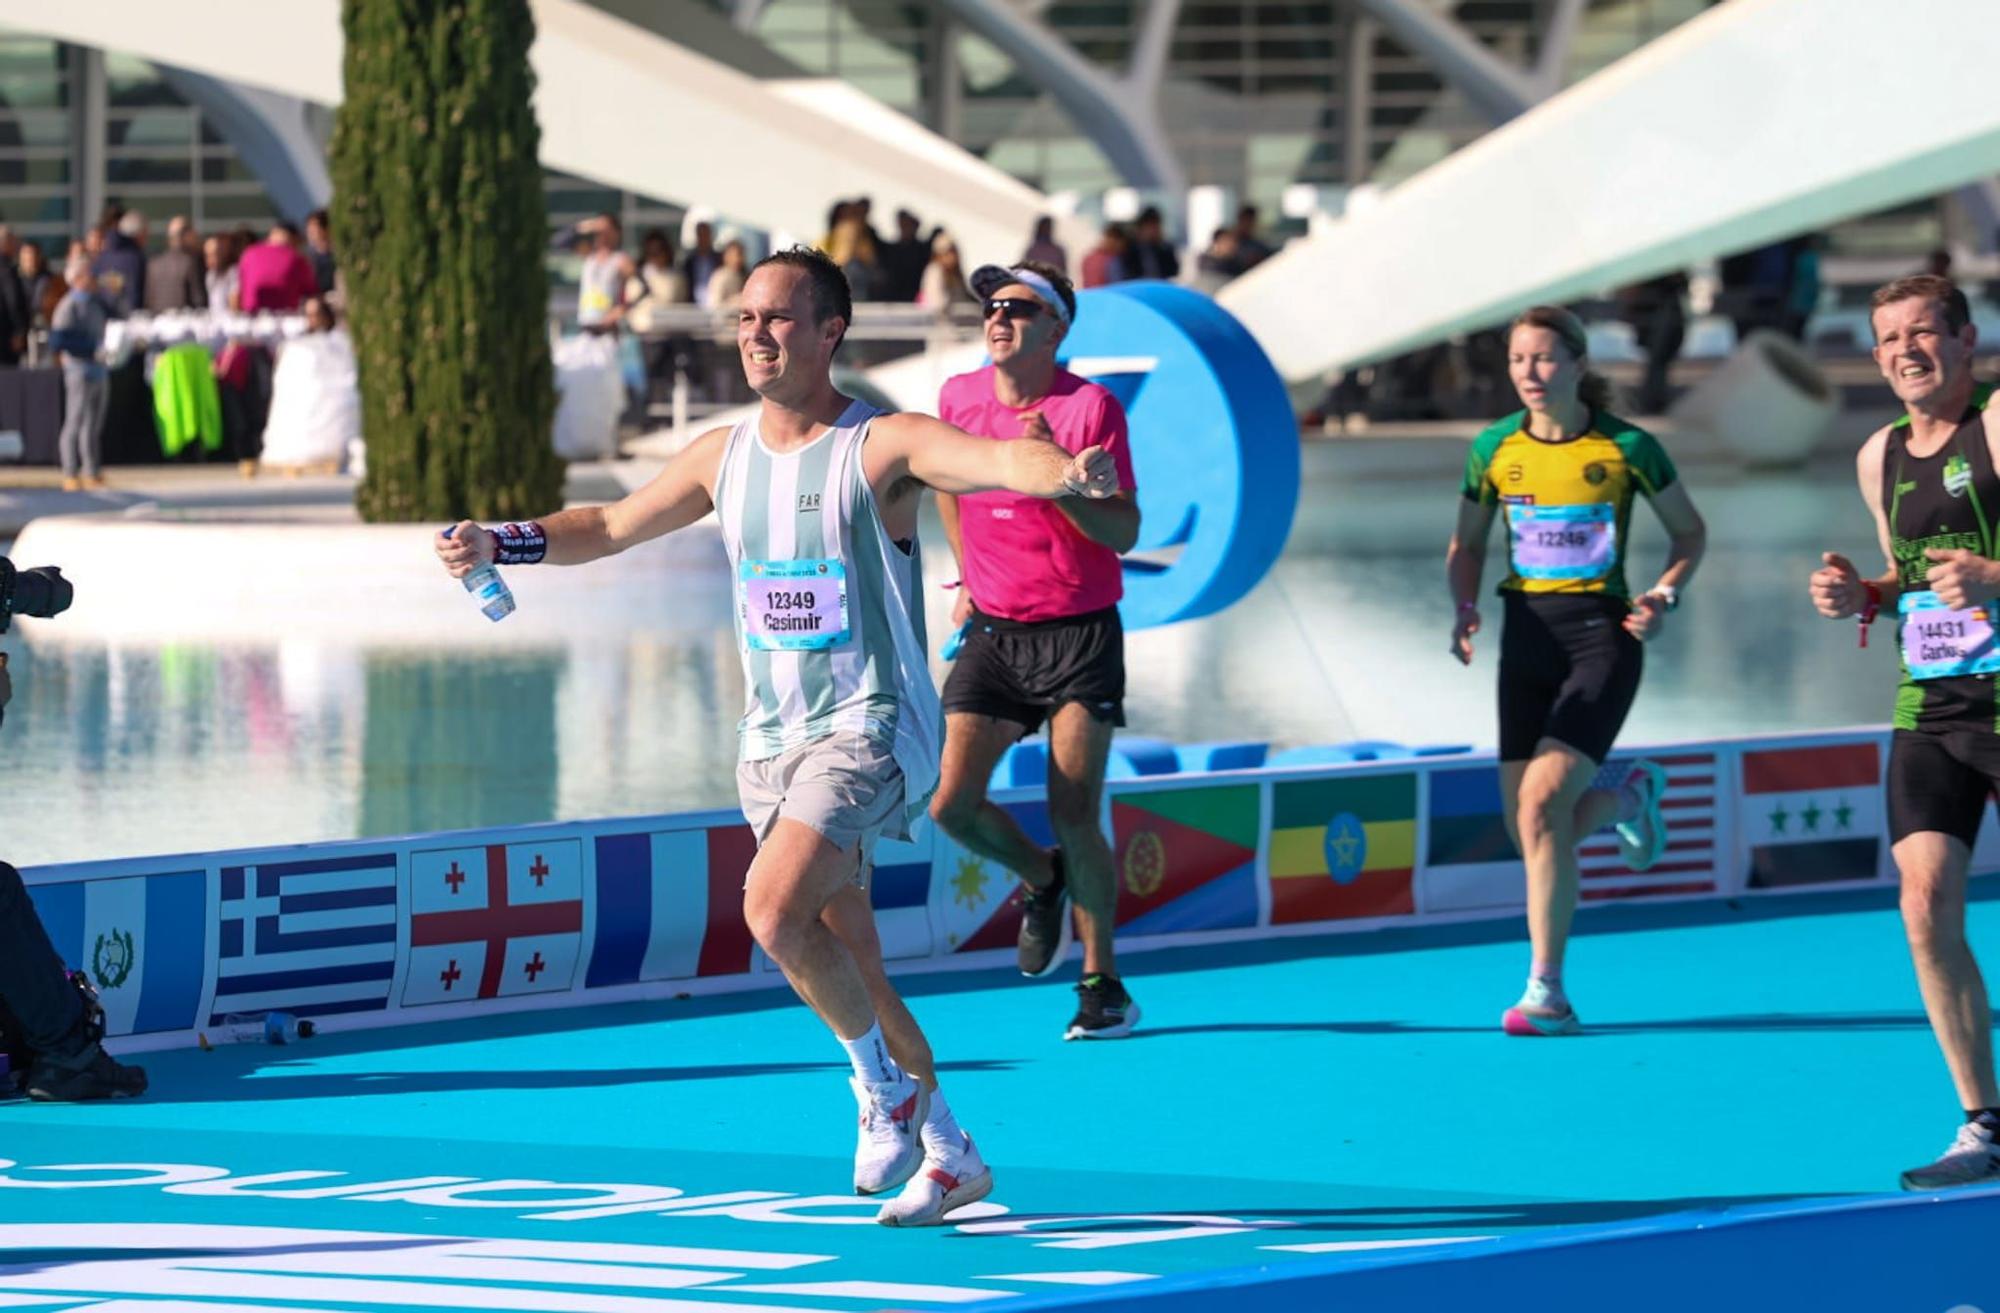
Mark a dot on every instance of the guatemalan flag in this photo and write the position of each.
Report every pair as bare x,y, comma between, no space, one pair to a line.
142,941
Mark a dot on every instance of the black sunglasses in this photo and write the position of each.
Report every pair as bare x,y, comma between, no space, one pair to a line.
1014,307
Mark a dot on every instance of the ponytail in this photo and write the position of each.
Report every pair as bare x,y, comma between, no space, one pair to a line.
1596,392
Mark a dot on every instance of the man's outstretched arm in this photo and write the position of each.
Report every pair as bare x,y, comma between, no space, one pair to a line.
944,458
681,493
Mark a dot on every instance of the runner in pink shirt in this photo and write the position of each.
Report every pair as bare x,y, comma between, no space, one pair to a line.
1039,605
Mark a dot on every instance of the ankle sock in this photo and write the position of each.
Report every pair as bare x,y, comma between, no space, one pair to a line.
870,1055
940,1127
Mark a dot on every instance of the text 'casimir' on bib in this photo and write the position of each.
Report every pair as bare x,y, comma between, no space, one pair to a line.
1214,444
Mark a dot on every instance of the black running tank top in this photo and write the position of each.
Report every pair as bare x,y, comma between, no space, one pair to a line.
1948,499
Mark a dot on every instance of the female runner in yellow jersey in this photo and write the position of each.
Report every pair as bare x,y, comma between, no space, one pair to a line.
1566,471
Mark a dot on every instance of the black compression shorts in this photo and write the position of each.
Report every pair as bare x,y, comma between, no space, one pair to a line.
1568,671
1023,670
1941,780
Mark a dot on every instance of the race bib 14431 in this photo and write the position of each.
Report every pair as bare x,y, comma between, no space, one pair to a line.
1564,542
792,606
1939,641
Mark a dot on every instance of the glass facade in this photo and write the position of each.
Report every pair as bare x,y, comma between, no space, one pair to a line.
163,156
1256,97
37,113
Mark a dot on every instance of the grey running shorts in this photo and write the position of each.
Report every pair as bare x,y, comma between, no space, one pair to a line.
847,787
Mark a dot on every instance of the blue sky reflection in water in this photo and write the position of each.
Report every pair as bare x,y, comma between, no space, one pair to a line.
118,749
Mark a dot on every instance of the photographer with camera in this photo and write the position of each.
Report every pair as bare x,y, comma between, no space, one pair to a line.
50,1025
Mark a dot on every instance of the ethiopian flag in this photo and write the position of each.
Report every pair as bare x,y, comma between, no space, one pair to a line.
1343,847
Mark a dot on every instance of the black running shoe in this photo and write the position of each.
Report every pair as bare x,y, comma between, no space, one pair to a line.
1103,1011
1045,924
93,1074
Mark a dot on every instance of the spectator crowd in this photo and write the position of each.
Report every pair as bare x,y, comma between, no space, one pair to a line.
618,291
115,271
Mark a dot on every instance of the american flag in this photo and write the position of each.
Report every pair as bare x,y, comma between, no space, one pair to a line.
310,938
1690,863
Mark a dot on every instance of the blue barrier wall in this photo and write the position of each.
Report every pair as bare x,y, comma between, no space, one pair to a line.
371,932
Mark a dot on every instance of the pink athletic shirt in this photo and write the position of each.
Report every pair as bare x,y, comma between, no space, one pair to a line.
1024,560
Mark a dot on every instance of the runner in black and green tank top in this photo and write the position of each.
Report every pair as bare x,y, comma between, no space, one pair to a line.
1930,481
1947,501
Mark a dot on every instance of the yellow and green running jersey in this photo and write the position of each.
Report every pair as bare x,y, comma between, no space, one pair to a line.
1567,505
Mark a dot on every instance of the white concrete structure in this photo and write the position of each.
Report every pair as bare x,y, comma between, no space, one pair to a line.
618,105
1756,121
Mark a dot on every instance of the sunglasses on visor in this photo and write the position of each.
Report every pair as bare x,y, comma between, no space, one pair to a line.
1014,307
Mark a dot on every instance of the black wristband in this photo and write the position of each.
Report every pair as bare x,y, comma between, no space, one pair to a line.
519,544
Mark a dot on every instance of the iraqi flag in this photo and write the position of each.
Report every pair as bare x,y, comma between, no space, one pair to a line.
669,905
1186,859
494,921
142,940
1812,815
1342,847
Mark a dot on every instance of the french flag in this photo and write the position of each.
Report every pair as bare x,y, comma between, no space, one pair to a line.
670,905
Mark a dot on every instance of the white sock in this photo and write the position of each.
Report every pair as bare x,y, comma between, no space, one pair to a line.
870,1056
940,1127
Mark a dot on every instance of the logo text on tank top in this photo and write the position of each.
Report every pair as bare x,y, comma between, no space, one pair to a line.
1957,475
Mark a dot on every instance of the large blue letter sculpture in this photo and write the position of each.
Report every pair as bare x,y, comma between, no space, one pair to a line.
1214,444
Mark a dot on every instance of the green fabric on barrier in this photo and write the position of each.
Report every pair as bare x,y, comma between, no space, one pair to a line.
187,404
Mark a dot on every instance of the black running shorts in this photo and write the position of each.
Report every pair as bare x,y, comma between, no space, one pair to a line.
1941,780
1568,671
1022,670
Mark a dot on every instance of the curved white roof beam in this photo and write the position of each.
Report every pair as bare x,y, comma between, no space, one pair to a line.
1119,115
617,104
1753,122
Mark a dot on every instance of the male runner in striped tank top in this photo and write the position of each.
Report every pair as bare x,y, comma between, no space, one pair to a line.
1929,480
817,501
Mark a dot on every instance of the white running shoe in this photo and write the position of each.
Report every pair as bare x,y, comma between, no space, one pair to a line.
952,1178
1541,1011
1972,1159
1642,839
890,1148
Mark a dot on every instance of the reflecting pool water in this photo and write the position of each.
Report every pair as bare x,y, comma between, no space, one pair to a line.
115,745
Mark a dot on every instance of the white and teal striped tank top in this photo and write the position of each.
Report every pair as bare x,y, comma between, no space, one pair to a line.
829,612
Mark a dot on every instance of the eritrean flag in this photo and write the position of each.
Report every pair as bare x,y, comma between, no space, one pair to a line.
1343,847
1187,858
1813,815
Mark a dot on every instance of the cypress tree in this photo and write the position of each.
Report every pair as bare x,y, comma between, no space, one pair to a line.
440,221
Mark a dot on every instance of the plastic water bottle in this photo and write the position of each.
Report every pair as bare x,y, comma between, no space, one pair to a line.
265,1028
954,641
491,591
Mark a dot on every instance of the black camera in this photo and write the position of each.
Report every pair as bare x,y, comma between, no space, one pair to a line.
40,592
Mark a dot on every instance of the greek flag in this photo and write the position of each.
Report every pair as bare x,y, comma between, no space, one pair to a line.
310,938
